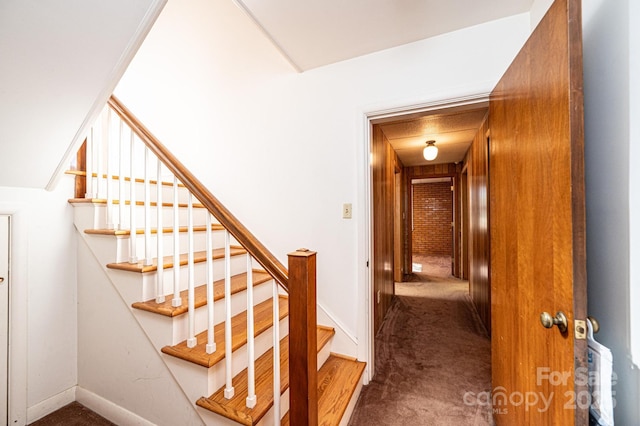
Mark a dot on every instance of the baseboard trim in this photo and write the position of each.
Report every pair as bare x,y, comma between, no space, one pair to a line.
107,409
49,405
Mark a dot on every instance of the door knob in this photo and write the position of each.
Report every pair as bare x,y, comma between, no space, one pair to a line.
595,325
1,280
560,320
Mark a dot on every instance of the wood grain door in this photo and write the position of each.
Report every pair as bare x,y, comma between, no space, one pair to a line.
537,226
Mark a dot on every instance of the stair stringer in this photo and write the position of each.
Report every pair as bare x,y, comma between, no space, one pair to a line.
343,342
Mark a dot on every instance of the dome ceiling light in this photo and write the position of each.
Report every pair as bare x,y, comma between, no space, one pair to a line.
430,151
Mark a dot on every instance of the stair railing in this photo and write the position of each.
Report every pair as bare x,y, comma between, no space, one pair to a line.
115,138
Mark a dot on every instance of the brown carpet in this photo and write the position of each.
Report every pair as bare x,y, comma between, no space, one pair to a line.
73,414
431,350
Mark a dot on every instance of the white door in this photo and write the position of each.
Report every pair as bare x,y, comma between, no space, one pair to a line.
4,316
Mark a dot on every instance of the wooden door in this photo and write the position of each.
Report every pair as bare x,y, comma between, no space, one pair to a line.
537,227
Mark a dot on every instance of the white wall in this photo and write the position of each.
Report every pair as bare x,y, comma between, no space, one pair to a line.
61,60
282,149
608,152
46,266
634,175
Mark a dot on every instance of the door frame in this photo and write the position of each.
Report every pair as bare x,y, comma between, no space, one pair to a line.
366,297
17,355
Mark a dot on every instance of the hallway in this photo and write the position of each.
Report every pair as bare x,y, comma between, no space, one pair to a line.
433,356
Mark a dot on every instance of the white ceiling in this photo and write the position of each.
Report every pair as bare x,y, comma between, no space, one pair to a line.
316,33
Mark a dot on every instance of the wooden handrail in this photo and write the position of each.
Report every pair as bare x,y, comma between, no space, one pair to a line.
255,248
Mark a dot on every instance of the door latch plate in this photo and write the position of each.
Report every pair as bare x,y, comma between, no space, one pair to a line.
580,329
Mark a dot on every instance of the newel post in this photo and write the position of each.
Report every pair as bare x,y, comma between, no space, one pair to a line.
303,354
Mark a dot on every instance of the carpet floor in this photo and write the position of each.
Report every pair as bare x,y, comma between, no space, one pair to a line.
433,356
73,414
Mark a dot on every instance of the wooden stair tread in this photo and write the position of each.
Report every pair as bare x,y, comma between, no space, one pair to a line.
140,231
263,319
235,408
199,256
128,202
338,379
238,284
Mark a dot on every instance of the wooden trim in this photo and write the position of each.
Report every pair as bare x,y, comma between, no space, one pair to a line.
578,207
81,167
219,211
303,360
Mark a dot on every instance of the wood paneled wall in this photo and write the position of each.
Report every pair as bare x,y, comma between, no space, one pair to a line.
385,163
477,163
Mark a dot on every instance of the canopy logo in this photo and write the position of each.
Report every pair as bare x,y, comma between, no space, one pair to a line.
500,400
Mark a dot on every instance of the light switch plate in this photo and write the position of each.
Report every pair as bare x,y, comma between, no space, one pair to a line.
346,211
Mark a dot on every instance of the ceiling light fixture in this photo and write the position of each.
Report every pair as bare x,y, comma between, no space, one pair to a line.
430,151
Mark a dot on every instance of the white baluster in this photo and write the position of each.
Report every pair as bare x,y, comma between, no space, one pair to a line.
177,300
148,260
191,340
211,343
159,236
251,365
133,256
121,180
89,166
106,137
276,355
229,391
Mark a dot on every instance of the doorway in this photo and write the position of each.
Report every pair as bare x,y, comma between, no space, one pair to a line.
432,224
4,317
389,179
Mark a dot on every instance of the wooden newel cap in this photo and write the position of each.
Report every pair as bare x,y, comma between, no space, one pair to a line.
302,252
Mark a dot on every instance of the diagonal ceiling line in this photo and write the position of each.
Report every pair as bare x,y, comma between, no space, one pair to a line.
267,34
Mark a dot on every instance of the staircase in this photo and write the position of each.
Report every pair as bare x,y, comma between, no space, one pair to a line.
236,328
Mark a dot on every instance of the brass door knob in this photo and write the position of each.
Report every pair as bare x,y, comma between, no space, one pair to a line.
595,325
1,279
560,320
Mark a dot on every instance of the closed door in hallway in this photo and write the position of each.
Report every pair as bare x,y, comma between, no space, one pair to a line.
4,315
537,225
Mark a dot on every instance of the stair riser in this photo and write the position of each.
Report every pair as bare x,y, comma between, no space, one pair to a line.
167,191
136,287
197,381
268,419
165,330
99,218
211,418
238,266
122,248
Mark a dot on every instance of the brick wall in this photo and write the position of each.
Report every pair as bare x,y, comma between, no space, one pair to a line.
432,217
